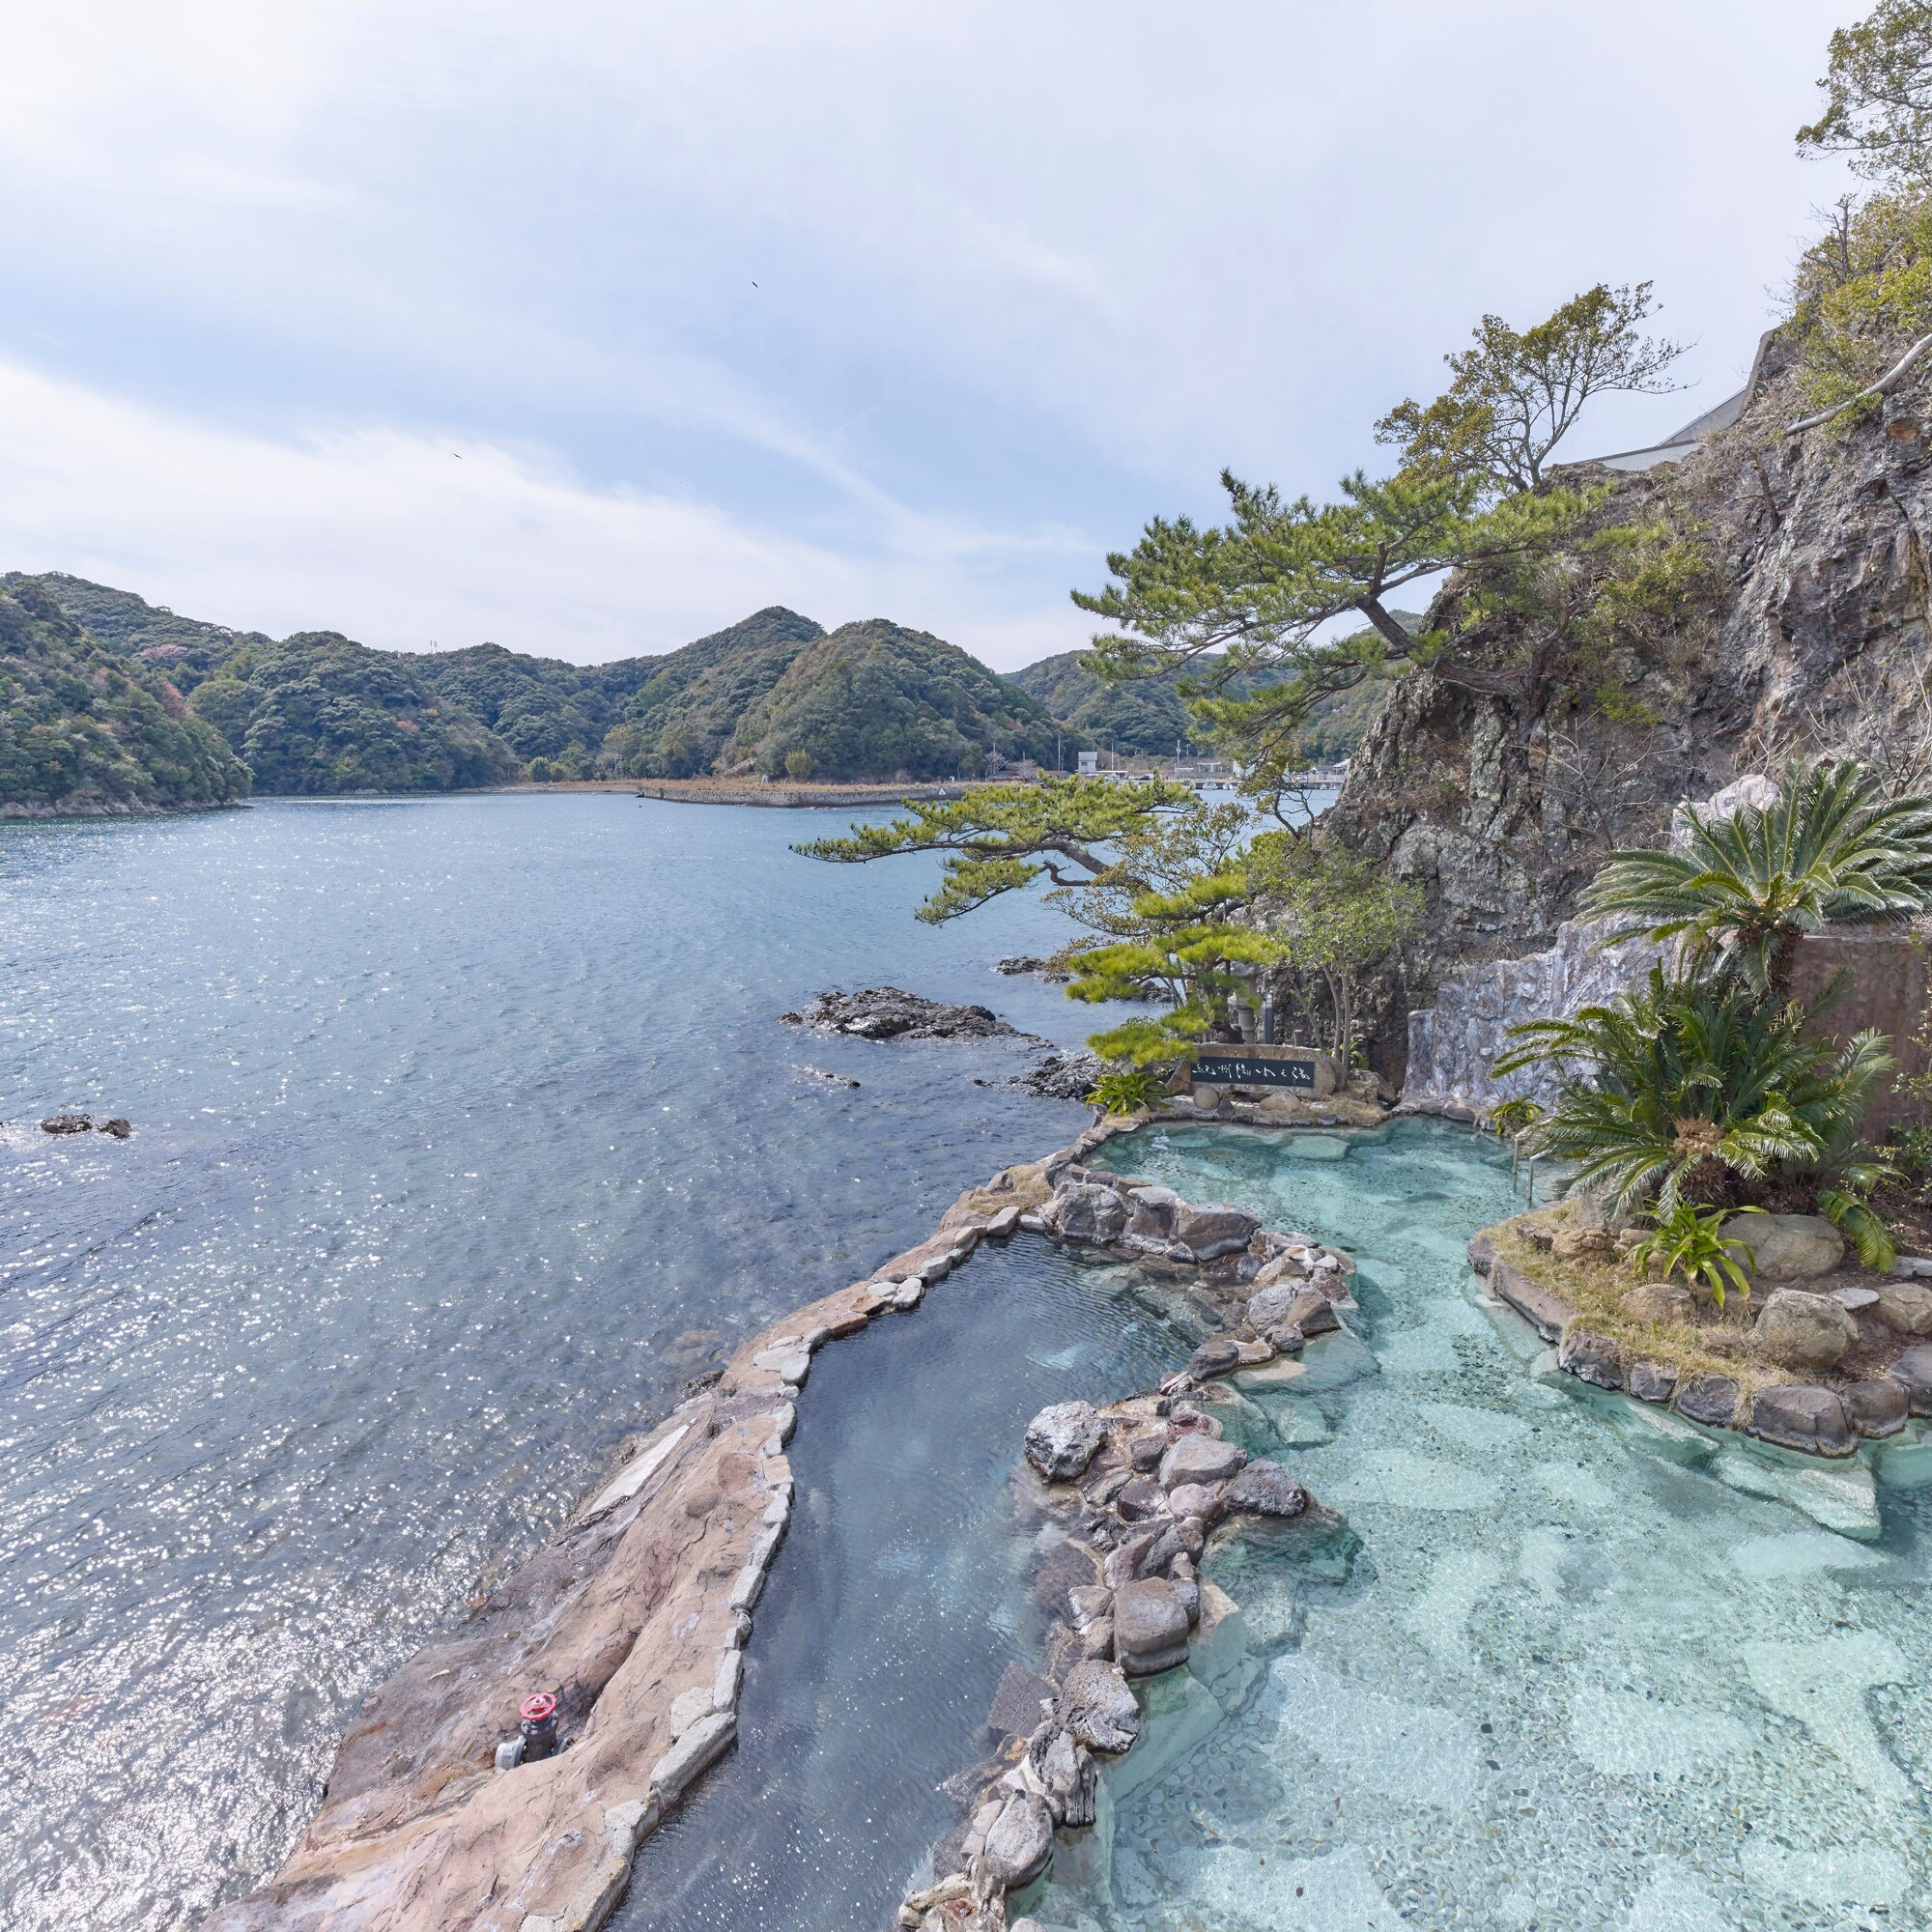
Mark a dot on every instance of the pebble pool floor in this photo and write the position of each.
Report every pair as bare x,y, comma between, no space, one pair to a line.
1577,1677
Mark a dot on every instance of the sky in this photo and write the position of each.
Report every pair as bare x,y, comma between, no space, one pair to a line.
589,329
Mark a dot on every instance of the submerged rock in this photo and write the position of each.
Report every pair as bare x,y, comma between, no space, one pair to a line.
1061,1439
67,1124
1215,1358
1019,1842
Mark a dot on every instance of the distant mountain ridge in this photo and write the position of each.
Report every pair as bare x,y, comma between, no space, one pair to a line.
319,714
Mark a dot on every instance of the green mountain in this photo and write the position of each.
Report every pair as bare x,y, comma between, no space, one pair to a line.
683,721
86,729
320,714
877,700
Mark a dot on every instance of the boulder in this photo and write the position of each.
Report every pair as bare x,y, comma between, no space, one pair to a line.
1097,1708
1576,1244
1653,1381
1591,1358
1878,1407
1914,1371
1802,1417
690,1753
1199,1458
1280,1271
1264,1488
117,1128
1151,1212
1064,1769
1197,1500
1805,1331
1145,1450
1123,1561
1140,1500
1019,1842
1787,1247
1907,1306
1083,1210
1214,1230
67,1124
1661,1303
1061,1439
1313,1312
1711,1399
1218,1356
1267,1307
1185,1536
1149,1627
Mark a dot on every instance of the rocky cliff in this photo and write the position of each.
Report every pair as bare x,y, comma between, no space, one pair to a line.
1777,606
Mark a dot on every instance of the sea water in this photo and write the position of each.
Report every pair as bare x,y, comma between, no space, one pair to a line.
1586,1671
465,1131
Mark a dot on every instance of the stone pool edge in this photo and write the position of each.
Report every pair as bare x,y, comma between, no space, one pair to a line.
638,1609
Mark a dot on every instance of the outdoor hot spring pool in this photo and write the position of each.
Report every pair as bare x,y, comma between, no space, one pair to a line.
1573,1667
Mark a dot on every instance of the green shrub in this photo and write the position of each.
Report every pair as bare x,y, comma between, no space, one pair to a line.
1688,1241
1129,1089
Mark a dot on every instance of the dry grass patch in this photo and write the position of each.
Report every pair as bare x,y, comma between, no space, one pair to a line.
1595,1286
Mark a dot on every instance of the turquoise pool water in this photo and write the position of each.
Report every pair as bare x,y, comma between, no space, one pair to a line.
1577,1678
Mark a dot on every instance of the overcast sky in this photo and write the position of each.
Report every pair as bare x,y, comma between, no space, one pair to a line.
591,327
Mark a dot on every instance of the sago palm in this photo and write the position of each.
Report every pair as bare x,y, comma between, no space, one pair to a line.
1750,883
1684,1090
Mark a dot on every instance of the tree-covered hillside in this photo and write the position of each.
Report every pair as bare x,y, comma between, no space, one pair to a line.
1150,716
84,731
320,714
679,721
877,700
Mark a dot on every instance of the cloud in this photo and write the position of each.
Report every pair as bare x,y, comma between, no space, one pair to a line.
1025,277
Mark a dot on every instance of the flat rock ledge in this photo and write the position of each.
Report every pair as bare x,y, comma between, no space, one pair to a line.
637,1614
1813,1418
887,1012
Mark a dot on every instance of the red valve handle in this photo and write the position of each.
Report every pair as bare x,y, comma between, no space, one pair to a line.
536,1709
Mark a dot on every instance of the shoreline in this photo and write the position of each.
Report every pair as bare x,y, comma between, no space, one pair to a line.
640,1609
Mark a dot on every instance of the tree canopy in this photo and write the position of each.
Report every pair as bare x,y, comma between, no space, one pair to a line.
1878,95
1514,394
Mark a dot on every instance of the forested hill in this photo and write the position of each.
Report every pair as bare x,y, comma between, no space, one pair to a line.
1150,716
317,713
83,729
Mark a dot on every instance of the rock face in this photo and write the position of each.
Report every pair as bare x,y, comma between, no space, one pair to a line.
1061,1439
1803,1331
1499,789
1787,1247
1149,1627
886,1012
1591,1358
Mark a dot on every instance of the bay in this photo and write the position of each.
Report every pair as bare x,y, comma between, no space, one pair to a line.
463,1133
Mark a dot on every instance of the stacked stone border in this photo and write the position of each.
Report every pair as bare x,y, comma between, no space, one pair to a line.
638,1610
1804,1416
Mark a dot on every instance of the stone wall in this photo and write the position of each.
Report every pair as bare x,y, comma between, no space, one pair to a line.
1453,1044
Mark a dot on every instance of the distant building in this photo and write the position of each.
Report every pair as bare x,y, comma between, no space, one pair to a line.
1090,764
